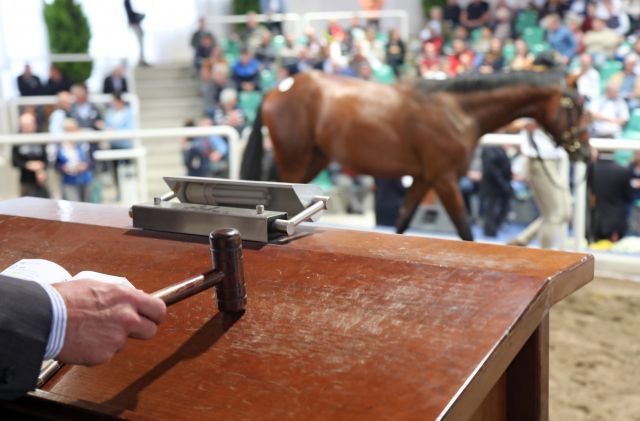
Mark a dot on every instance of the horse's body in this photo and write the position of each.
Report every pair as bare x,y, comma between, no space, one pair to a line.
424,129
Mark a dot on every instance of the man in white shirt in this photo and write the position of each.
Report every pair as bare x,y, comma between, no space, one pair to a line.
549,184
589,79
610,113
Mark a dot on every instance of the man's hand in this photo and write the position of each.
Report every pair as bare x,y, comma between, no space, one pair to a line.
102,316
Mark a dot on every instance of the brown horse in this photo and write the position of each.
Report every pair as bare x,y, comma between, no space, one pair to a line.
426,129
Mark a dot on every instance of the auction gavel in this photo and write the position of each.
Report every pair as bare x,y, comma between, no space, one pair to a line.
227,275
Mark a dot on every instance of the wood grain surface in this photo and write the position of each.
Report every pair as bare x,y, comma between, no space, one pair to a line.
338,324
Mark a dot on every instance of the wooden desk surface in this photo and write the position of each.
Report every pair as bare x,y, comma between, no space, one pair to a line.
339,323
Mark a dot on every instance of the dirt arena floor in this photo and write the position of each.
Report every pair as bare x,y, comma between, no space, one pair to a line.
595,353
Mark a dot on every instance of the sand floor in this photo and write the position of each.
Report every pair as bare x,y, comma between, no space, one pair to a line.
595,353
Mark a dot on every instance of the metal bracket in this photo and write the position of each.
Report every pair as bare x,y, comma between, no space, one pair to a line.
288,226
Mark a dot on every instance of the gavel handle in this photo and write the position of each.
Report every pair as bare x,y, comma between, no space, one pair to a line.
183,289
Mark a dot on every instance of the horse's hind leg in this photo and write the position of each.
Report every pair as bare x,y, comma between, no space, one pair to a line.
451,198
414,196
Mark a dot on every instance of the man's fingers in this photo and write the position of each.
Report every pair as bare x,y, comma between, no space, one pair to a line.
150,307
144,329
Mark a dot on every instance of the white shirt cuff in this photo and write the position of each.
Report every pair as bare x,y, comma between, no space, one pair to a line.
58,322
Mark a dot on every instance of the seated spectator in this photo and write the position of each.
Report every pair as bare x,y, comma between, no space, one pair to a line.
460,59
483,43
271,7
560,38
557,7
57,82
289,54
475,15
588,79
246,72
614,15
628,81
609,113
503,27
75,164
31,160
204,156
395,51
451,16
492,61
523,58
29,84
86,114
61,113
339,49
119,116
204,51
601,42
372,48
265,54
220,81
495,188
199,34
574,23
228,113
252,33
611,187
433,30
115,82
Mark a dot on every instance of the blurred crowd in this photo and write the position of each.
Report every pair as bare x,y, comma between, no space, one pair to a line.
598,41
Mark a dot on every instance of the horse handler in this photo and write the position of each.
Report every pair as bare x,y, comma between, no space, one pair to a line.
550,187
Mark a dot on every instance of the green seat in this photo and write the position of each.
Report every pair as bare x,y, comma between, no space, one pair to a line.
248,103
508,52
230,46
382,36
526,19
384,74
267,79
278,43
323,179
231,58
634,120
475,35
533,36
539,48
607,70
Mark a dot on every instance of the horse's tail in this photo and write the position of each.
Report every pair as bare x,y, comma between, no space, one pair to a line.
251,168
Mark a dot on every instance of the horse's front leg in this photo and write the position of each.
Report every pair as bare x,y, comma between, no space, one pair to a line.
451,198
413,198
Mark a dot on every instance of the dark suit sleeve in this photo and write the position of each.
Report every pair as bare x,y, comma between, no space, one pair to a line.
25,322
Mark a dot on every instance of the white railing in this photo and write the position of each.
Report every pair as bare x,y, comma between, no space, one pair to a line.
301,21
137,154
13,105
579,176
294,18
379,14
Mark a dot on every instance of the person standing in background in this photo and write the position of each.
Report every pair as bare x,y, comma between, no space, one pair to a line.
75,164
61,113
31,159
495,188
550,187
115,82
135,20
28,83
372,6
271,7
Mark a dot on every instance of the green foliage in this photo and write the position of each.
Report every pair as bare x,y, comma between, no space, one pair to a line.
241,7
428,4
68,33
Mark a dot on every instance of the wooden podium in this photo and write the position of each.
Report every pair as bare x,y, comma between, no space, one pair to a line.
339,324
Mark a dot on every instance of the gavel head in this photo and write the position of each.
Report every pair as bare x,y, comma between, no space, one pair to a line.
226,253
